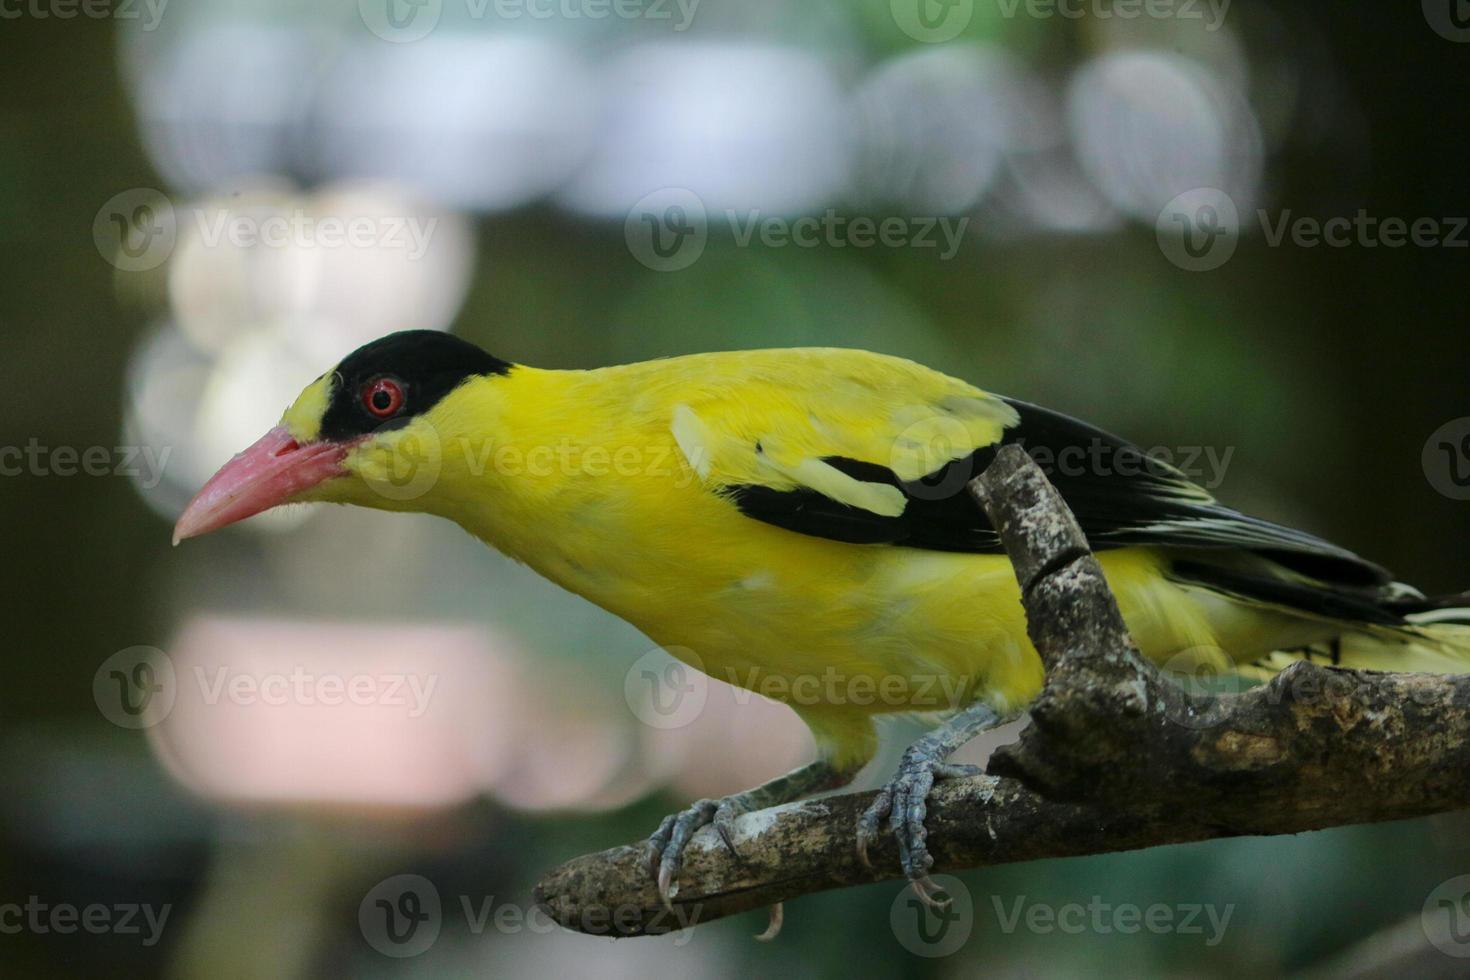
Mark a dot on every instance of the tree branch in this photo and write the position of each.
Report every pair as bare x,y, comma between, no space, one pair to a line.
1115,757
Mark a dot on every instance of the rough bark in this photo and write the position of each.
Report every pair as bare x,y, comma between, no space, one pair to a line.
1115,757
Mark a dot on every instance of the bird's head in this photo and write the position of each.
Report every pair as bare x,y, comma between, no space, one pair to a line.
358,434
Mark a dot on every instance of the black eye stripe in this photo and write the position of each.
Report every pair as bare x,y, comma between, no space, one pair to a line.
426,365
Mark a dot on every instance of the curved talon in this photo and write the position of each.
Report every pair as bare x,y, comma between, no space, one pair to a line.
871,821
929,892
668,888
670,840
725,824
904,802
664,851
722,827
773,925
654,848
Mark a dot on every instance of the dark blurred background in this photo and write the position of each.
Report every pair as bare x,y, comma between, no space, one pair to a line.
1107,175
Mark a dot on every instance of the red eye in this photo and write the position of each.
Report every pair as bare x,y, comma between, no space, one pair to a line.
383,397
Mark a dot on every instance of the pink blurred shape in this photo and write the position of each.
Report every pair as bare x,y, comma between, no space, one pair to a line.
392,715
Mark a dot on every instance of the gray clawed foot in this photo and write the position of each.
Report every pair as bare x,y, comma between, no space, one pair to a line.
903,803
664,851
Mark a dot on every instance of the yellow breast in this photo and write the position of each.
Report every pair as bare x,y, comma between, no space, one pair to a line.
581,476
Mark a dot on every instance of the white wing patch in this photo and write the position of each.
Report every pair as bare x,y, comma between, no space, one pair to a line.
876,498
692,439
700,446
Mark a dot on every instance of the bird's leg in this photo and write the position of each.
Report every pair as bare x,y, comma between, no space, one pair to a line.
902,800
666,847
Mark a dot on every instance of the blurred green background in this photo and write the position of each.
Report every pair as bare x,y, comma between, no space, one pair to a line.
529,142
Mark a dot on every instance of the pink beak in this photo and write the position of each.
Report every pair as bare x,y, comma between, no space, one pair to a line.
269,473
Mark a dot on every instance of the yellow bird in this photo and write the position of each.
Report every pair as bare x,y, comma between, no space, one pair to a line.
795,522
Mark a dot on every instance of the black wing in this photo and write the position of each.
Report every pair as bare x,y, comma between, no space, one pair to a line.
1120,495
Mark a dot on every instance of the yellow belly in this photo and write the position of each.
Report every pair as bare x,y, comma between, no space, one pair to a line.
844,632
838,631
